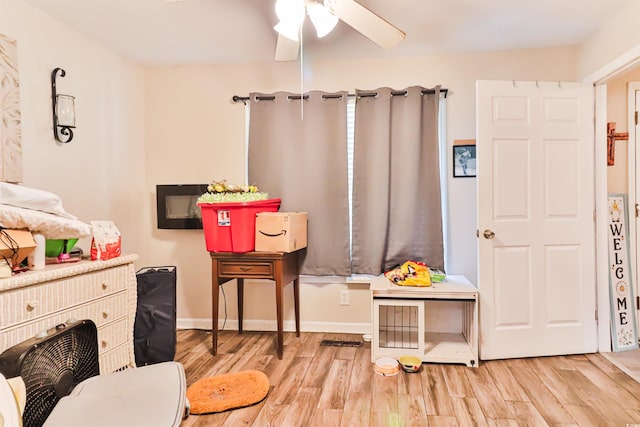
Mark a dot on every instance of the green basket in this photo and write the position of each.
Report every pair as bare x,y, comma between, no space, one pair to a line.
55,247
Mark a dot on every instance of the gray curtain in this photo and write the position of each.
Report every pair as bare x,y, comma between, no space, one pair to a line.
397,213
298,153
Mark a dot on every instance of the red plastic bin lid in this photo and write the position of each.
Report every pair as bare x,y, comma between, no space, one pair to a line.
255,203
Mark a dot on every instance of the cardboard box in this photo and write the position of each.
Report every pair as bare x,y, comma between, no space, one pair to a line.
16,245
281,231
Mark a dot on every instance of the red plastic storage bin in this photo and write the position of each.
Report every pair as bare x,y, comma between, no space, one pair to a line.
231,227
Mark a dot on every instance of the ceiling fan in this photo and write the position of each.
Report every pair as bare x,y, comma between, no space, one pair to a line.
324,14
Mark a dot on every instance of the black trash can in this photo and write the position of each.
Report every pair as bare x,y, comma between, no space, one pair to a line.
155,326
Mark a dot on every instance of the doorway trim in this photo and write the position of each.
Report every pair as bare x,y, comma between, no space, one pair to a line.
603,311
632,196
599,79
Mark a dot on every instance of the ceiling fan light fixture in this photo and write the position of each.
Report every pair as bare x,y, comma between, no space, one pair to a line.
322,18
287,30
291,14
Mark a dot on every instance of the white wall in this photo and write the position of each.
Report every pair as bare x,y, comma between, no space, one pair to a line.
195,134
100,173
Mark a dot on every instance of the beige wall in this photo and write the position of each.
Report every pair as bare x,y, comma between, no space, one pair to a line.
196,134
100,173
615,38
617,106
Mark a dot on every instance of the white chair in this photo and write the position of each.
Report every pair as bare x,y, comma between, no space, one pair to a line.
149,396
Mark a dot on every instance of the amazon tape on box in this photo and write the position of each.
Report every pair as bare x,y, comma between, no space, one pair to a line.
281,231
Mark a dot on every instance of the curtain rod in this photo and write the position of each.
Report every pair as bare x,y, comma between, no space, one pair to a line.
243,99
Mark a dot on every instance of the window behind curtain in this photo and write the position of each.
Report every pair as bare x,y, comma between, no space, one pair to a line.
397,203
295,117
302,160
442,144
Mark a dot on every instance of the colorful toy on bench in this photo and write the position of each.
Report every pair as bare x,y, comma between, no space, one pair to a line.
411,273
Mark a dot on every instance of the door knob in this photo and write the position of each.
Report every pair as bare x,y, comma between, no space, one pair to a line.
488,234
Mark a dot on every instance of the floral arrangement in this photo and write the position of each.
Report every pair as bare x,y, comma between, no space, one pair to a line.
225,192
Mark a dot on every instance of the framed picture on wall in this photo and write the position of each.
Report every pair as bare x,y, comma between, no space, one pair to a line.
464,161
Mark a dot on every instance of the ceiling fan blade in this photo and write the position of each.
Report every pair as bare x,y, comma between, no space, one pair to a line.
374,27
286,49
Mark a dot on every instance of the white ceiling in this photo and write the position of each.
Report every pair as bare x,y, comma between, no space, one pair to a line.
155,32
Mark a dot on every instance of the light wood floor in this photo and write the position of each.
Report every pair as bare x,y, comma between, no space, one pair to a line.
628,362
324,386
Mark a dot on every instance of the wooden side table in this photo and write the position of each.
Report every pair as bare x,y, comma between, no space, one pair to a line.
281,267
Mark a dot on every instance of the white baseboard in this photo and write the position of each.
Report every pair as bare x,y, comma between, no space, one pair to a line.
270,325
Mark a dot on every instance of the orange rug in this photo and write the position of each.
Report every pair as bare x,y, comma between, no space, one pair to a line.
228,391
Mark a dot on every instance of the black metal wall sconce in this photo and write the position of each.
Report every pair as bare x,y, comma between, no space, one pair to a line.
64,110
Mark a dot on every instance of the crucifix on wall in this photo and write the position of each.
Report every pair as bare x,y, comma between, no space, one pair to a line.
612,137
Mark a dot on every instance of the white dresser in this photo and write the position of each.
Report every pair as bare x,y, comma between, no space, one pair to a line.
103,291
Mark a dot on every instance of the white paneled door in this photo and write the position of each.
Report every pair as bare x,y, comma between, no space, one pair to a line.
536,242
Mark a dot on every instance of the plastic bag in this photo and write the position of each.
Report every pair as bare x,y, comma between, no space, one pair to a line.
106,242
411,273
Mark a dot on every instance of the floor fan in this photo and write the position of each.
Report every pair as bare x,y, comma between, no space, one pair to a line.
51,364
64,388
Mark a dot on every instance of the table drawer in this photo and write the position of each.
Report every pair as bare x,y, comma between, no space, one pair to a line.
240,269
31,302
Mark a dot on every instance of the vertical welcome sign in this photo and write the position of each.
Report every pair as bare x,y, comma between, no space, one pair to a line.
623,306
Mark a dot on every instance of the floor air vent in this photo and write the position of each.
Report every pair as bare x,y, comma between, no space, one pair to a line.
339,343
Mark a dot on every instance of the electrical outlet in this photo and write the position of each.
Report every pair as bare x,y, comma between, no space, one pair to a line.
344,297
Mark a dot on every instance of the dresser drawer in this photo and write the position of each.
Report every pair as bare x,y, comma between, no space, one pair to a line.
240,269
31,302
117,358
102,312
112,335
